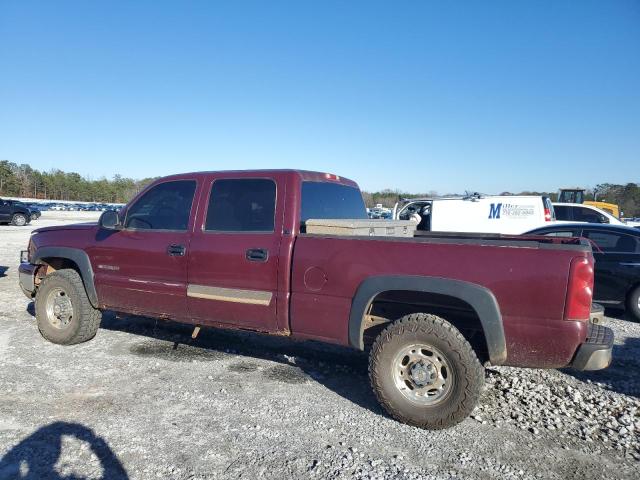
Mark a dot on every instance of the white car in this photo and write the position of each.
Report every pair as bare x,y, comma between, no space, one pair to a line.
507,214
578,212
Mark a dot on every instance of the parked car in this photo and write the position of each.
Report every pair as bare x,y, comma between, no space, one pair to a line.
35,211
617,261
508,214
229,249
576,212
632,222
14,213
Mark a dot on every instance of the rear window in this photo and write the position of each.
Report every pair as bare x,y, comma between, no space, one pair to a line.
322,200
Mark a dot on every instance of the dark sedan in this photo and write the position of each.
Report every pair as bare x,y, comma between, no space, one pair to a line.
616,250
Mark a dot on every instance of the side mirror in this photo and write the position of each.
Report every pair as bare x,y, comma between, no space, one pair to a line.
110,220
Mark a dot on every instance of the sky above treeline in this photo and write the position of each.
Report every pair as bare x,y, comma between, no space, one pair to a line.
415,95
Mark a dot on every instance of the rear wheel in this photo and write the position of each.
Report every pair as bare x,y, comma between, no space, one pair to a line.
34,216
19,220
633,303
424,372
63,311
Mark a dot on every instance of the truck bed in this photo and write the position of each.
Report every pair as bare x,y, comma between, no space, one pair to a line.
527,275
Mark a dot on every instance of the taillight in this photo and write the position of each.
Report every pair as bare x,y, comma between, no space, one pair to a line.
580,291
547,214
331,176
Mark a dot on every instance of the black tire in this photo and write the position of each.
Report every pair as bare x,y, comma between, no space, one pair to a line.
34,216
464,372
633,303
19,220
82,321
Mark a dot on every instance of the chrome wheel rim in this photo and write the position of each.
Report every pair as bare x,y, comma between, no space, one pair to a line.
422,374
20,220
59,308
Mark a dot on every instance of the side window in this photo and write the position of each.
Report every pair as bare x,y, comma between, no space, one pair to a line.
241,205
409,210
562,212
560,234
610,242
581,214
166,206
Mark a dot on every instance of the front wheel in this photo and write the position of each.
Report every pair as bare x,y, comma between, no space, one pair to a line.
424,372
63,310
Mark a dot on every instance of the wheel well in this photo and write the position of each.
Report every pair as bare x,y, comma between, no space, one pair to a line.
391,305
631,289
58,263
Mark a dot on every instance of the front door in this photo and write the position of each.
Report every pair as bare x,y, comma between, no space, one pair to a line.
233,262
142,268
617,257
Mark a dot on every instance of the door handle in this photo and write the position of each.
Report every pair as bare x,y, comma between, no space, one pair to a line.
630,264
175,250
257,255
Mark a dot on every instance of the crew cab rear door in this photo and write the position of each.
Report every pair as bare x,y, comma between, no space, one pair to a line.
233,262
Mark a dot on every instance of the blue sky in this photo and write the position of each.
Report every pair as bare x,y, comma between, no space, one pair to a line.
415,95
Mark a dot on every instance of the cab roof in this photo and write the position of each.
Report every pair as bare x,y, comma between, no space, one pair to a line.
304,175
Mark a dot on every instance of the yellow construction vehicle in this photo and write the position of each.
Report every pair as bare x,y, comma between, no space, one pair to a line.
576,195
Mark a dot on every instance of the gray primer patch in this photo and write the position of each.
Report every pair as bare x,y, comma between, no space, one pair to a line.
174,353
286,374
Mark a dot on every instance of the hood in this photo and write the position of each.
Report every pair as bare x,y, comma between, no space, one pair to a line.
73,226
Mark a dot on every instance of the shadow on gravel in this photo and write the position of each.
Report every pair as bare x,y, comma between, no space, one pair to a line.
619,314
623,375
340,369
36,456
3,271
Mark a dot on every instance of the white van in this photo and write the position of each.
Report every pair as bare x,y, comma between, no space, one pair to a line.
507,214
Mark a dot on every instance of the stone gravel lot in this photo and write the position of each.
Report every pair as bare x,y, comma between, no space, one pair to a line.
144,401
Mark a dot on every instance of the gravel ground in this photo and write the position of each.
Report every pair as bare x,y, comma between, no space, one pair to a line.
142,400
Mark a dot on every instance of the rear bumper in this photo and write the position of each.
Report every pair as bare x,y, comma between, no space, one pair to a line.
595,352
26,278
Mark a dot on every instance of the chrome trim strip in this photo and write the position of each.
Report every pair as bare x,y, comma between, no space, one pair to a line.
252,297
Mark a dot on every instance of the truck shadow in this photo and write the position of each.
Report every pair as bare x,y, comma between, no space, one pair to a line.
623,375
35,457
342,370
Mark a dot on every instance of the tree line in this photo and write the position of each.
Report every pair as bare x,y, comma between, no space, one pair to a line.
24,181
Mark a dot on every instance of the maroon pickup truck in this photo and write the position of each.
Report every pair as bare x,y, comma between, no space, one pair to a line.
230,249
